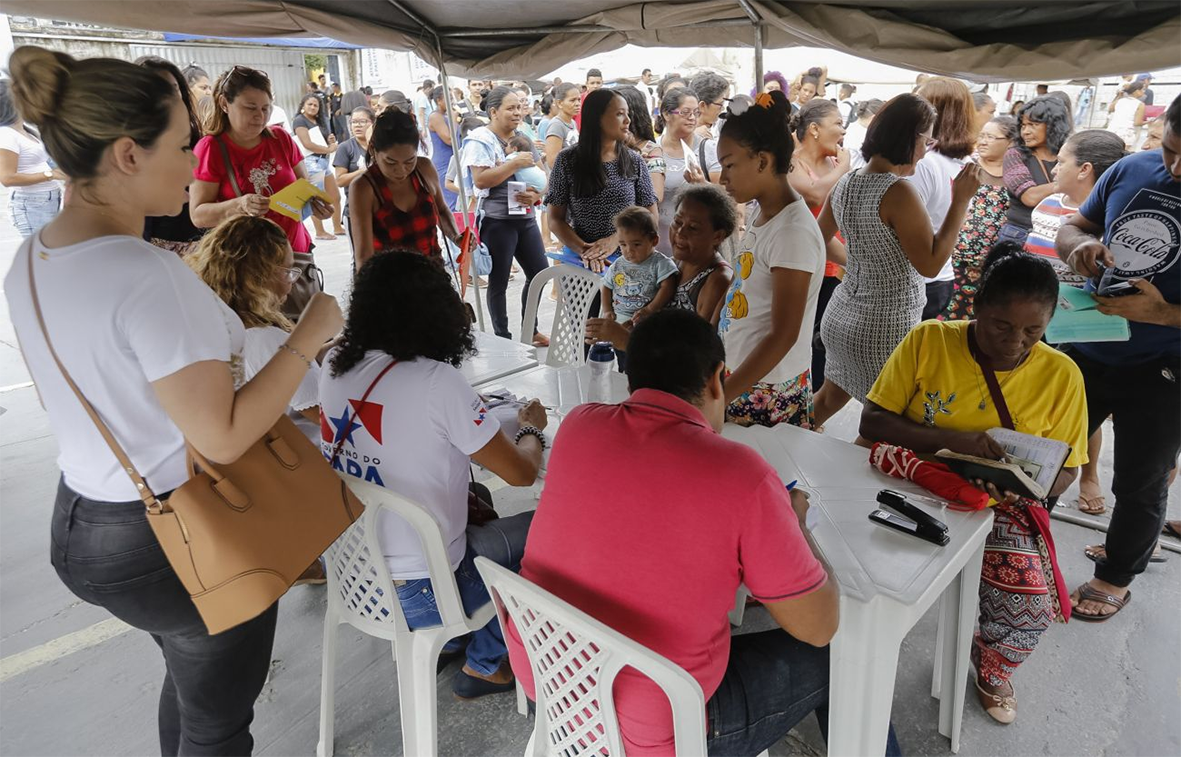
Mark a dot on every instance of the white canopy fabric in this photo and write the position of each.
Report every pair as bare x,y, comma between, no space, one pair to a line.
998,40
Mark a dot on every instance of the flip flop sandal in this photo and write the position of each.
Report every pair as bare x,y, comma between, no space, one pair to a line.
1085,592
1170,530
1086,508
1158,556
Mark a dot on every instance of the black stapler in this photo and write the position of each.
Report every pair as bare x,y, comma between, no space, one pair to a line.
909,519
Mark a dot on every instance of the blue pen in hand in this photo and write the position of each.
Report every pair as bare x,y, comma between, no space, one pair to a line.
792,485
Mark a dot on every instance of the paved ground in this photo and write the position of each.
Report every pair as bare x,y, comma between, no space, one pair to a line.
75,682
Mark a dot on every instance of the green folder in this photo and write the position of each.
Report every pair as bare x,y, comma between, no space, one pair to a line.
1077,319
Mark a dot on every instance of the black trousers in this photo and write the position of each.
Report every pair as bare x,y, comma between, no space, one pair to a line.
509,238
1144,402
107,555
827,287
938,295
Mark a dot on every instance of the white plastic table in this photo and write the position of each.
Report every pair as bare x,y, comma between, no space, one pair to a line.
888,581
495,358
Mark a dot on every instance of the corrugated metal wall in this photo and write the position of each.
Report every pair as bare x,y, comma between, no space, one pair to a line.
285,67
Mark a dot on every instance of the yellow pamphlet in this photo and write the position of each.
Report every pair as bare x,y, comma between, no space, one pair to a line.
294,199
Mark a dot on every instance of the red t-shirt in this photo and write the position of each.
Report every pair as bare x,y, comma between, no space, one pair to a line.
648,522
578,115
264,169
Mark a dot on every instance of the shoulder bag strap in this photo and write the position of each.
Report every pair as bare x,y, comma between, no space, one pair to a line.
225,156
701,159
141,485
994,387
345,433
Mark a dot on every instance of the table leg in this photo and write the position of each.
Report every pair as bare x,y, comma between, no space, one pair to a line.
958,619
862,666
937,674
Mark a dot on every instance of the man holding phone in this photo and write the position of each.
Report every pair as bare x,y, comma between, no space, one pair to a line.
1127,238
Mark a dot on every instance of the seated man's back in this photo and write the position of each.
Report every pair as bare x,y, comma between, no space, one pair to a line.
649,522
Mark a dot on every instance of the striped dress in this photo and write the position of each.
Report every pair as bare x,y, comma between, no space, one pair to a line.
1048,217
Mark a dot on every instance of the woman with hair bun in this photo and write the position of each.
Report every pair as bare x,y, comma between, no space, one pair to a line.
398,202
36,186
932,395
767,317
890,248
159,357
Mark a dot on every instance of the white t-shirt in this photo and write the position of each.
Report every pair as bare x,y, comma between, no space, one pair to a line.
789,240
932,179
122,314
279,118
854,138
262,342
415,435
31,158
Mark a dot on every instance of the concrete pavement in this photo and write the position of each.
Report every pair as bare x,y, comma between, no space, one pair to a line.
74,682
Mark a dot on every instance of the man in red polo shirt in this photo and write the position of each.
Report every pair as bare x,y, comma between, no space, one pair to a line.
649,522
594,80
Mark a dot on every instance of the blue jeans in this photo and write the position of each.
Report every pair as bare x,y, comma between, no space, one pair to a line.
317,166
503,542
32,210
1011,232
107,555
771,683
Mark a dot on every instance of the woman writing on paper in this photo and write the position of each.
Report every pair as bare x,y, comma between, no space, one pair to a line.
932,394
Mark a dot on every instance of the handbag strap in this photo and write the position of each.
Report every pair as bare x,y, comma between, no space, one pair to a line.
145,493
994,387
344,433
225,156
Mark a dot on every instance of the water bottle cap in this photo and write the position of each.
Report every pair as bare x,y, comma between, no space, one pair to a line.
602,352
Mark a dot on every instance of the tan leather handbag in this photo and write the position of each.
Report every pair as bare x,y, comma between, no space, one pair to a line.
239,534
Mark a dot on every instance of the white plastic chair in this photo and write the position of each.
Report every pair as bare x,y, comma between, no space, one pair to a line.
577,288
362,594
575,659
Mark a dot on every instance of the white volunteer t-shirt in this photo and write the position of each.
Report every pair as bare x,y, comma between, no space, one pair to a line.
932,179
789,240
262,342
415,435
122,314
31,157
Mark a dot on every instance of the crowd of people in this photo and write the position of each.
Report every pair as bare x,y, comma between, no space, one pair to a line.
766,259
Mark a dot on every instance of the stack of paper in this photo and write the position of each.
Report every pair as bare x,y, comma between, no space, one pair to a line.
1077,319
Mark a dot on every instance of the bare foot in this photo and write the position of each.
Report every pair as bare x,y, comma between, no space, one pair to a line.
1096,609
1098,553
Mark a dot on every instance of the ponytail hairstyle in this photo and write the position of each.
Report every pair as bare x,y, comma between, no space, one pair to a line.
671,100
393,127
1099,147
589,175
893,131
192,73
812,112
869,107
494,98
82,107
1010,273
765,126
168,68
237,260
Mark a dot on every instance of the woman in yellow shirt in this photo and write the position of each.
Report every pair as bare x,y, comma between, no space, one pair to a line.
932,395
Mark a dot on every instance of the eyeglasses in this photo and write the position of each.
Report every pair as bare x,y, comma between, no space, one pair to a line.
289,274
930,143
990,138
686,113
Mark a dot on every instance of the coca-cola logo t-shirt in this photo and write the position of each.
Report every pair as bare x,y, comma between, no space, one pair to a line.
1138,204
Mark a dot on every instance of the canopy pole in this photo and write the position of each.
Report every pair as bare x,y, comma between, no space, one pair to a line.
460,184
758,58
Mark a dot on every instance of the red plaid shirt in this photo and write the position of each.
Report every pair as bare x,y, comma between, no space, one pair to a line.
394,228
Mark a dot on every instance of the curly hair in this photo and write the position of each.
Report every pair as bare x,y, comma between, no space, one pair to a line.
1052,112
774,76
723,211
237,260
1010,273
404,305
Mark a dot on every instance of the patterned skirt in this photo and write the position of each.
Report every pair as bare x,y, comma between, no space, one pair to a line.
771,404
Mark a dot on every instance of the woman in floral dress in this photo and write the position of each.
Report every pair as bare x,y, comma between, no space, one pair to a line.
986,215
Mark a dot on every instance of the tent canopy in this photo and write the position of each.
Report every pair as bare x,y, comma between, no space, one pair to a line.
975,39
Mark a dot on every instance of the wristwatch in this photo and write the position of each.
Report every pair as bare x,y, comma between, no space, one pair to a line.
47,173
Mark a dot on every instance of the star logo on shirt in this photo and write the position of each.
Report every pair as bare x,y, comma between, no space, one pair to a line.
481,414
344,428
365,415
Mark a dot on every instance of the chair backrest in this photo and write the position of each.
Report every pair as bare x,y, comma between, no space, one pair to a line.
359,578
574,659
577,288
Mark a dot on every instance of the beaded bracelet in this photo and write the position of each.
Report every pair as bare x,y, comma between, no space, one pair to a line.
533,431
297,353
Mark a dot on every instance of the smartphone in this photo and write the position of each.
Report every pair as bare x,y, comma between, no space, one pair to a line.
1109,286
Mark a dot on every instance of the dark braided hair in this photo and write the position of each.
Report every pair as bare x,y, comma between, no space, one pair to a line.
404,305
765,129
1010,273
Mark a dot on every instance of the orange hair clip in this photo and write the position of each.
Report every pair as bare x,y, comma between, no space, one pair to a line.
764,100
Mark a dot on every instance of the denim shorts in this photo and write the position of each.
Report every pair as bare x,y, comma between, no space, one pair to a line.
32,210
317,166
